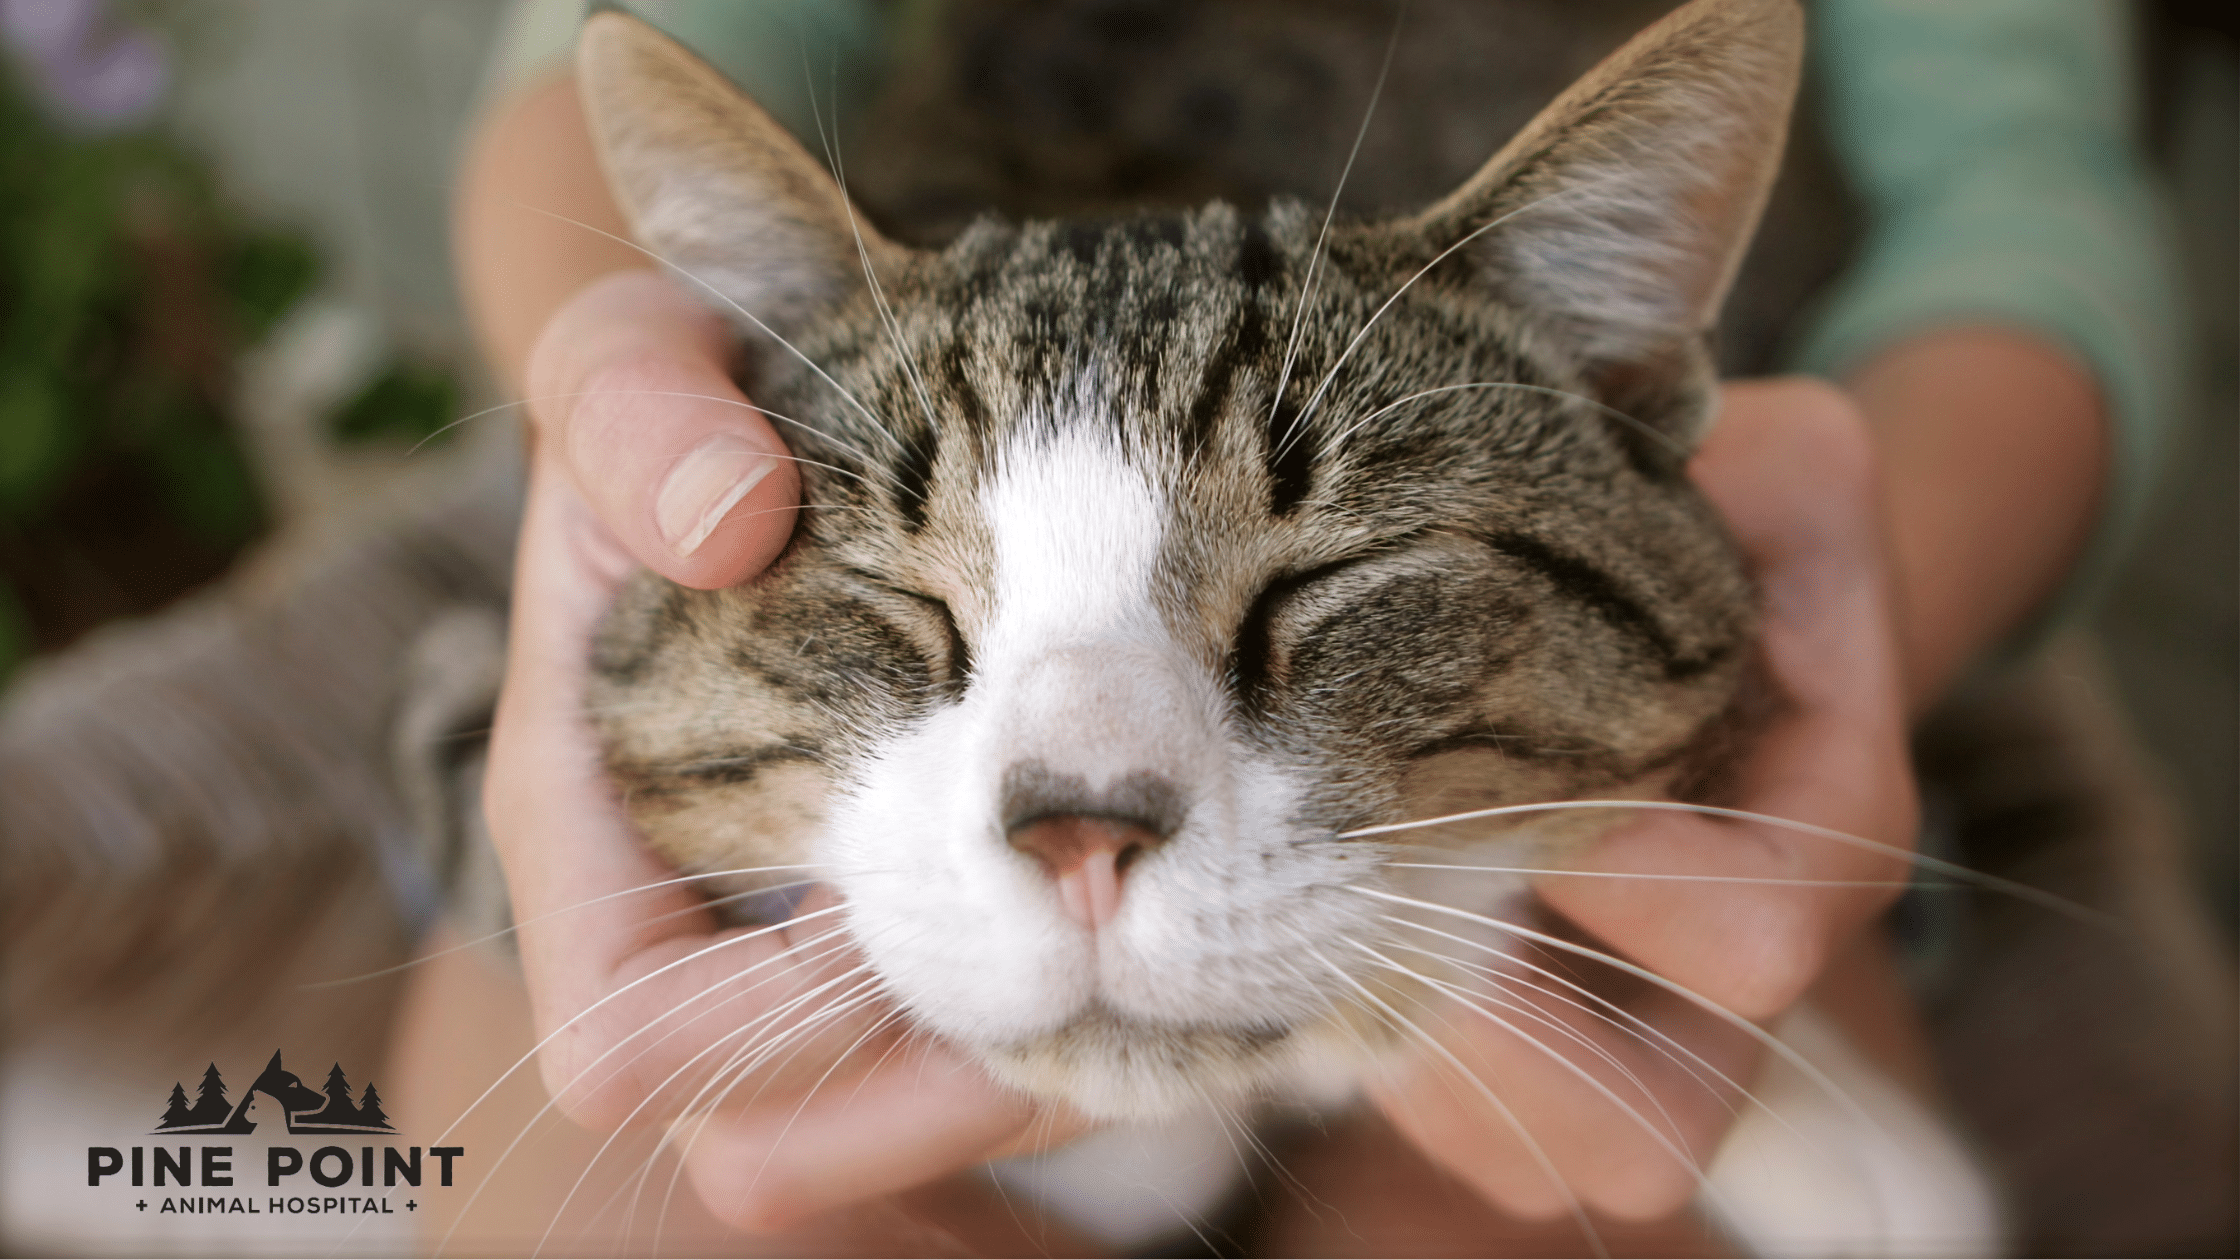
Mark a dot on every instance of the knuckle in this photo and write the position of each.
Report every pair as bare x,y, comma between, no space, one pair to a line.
1822,400
750,1194
1649,1187
571,1070
631,367
560,1068
1536,1207
605,396
1477,1151
1783,948
1846,455
1534,1198
757,1211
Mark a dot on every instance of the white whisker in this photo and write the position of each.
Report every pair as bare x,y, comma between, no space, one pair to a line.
1649,1033
1610,411
1532,1145
1668,1144
787,1129
664,969
876,423
863,254
1314,258
743,405
1772,1043
1315,399
1539,1017
718,1046
664,1143
552,1104
837,1007
502,933
1643,1030
1698,879
2022,891
790,459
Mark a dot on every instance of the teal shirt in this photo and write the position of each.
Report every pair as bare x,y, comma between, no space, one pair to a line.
1991,143
806,61
1992,146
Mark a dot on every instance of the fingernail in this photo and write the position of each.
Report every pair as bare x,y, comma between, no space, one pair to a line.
705,485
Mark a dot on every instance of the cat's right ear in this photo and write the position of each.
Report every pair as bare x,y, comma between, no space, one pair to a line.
715,187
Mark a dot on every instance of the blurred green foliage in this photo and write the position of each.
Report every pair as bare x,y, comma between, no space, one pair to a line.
411,403
127,287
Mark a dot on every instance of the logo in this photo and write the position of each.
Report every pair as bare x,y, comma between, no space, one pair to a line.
276,1104
276,1097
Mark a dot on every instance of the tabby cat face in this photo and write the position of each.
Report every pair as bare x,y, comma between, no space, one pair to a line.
1146,559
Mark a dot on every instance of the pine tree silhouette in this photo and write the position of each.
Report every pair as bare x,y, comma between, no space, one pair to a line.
178,1112
339,1109
369,1108
338,1088
210,1105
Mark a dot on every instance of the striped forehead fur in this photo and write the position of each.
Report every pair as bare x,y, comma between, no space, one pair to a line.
1189,326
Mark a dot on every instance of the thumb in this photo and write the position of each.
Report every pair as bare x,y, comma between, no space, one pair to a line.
629,394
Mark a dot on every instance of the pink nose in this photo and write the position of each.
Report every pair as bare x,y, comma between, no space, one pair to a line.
1086,856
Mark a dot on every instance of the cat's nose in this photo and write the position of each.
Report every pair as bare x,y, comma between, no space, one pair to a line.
1086,855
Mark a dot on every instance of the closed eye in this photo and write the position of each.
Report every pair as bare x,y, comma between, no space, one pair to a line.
1252,651
959,654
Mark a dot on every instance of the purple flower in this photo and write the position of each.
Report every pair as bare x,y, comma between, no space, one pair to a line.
92,71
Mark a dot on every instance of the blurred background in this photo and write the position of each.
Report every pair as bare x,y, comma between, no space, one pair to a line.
178,185
227,317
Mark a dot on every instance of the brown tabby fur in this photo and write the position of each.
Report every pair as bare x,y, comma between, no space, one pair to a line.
1426,526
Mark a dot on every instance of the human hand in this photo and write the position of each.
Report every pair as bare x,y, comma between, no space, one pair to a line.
1791,466
647,453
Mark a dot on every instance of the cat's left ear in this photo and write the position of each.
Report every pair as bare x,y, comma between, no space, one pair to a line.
1622,212
715,187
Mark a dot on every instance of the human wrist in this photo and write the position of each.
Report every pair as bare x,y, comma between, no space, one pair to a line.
1994,447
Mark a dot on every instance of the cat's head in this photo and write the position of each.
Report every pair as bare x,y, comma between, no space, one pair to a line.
1146,559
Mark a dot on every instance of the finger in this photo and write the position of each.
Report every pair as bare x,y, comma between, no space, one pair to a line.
1547,1107
628,383
625,974
587,893
565,844
765,1014
921,1115
1792,471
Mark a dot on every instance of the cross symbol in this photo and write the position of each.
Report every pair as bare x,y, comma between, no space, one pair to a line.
409,1206
142,1205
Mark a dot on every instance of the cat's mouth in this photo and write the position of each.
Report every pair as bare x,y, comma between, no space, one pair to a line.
1122,1067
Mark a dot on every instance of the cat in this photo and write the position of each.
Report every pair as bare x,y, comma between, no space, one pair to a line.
1229,535
1150,560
